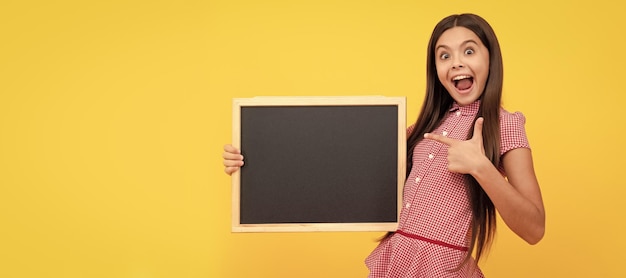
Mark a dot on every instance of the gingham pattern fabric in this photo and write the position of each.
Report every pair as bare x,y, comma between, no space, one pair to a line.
436,215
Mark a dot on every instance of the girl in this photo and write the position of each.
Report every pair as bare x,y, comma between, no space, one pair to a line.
466,156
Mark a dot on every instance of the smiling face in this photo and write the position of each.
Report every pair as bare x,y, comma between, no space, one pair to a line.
462,63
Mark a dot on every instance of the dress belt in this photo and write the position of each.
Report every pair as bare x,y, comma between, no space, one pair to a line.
437,242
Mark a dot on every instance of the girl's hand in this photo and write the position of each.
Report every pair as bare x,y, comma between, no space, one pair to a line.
517,198
464,157
233,160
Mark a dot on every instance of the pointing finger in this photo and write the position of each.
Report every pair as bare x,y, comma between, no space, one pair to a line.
440,138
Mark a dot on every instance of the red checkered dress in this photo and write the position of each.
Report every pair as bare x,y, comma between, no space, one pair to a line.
432,237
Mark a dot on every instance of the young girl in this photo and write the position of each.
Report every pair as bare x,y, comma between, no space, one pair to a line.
466,156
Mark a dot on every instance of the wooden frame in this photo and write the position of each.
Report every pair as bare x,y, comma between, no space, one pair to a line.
245,117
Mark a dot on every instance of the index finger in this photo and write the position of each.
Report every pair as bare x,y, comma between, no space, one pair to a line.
439,138
231,149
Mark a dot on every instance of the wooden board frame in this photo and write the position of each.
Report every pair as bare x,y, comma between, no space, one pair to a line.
339,101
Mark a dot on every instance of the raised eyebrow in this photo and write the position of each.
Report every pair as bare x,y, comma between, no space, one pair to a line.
441,46
463,43
469,41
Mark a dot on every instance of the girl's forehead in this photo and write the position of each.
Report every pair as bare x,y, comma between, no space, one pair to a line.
457,36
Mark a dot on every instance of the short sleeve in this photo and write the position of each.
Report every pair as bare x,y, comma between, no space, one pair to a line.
512,131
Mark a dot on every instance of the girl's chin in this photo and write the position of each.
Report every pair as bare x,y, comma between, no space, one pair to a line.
463,99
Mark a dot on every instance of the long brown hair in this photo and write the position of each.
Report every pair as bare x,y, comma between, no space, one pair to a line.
438,101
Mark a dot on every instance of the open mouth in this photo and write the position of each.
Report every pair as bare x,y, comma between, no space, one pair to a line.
463,82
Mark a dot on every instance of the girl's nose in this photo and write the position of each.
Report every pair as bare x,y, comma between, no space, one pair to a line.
457,61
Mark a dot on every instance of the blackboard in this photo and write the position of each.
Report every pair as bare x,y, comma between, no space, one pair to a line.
319,163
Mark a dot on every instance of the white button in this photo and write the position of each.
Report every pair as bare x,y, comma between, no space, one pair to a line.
458,113
417,180
408,205
445,133
431,156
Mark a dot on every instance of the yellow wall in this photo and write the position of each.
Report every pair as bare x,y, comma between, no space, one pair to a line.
113,115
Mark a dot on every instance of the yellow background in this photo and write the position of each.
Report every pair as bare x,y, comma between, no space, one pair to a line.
113,115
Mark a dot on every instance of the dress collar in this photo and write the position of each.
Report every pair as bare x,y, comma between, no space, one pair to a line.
467,110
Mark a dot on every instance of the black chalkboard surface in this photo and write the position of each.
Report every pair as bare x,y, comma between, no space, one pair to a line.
319,163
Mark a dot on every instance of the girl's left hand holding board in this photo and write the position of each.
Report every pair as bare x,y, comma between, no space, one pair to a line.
233,160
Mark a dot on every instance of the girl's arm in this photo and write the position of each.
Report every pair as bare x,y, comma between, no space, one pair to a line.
517,198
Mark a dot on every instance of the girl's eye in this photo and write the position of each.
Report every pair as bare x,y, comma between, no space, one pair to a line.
469,51
444,56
